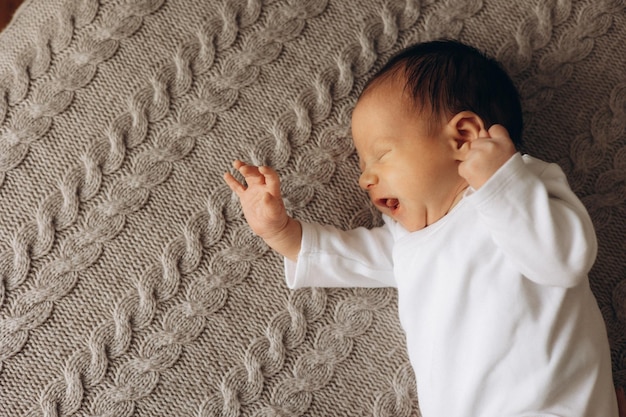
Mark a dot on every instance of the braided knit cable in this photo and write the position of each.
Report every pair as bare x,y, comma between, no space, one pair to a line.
608,129
556,67
449,19
33,122
590,151
401,397
103,223
137,309
333,344
611,186
34,59
533,34
181,324
87,367
59,210
120,399
150,104
265,356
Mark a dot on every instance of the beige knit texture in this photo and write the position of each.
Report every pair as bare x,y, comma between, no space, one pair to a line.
130,283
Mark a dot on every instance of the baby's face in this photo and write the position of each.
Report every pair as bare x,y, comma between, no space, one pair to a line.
410,173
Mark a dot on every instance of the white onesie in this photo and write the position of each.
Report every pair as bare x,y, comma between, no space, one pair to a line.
494,297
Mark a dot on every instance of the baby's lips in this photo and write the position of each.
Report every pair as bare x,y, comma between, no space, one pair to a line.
391,202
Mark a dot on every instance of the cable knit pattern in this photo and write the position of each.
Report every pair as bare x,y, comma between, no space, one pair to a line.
332,345
556,67
130,284
59,210
152,167
105,221
398,400
266,355
35,57
150,104
77,70
532,34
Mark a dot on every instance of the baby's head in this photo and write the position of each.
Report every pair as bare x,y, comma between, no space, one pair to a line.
413,117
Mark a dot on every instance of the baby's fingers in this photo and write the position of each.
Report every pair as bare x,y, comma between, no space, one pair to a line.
498,131
271,180
233,184
251,173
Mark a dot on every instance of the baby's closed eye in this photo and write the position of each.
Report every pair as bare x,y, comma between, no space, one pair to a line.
382,154
372,157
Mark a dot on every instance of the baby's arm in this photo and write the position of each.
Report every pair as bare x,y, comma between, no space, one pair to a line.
323,255
264,209
534,216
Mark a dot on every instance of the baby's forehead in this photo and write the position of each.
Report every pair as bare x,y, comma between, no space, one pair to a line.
394,89
395,95
392,99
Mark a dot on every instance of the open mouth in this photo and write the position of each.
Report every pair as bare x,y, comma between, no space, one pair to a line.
389,203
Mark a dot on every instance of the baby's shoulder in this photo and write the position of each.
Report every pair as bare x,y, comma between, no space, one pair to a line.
542,168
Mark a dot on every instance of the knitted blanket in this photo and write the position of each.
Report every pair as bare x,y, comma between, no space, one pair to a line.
130,283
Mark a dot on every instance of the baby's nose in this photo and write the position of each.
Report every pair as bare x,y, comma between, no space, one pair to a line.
367,180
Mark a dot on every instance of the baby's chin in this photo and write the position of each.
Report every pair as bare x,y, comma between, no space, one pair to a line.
410,224
414,222
414,226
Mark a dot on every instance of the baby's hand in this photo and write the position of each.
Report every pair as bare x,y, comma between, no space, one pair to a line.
261,201
485,155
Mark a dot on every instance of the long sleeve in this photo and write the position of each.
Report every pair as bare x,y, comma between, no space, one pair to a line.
538,222
330,257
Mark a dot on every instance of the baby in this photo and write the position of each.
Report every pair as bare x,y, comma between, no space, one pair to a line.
489,249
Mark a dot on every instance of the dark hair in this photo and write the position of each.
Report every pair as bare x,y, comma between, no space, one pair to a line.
448,76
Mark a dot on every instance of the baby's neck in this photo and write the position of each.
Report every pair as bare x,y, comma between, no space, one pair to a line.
458,196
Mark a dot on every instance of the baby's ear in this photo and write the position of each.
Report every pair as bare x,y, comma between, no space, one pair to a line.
465,127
